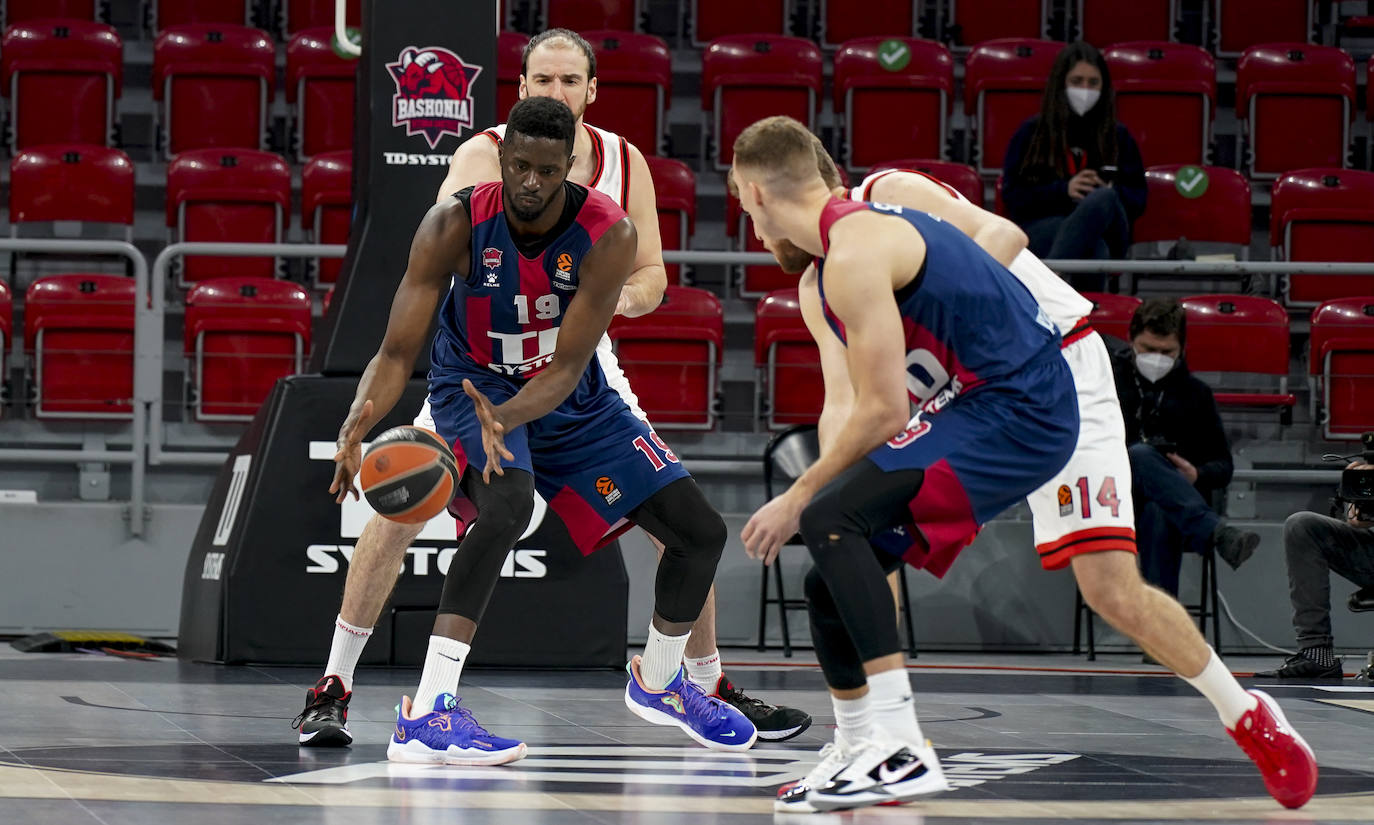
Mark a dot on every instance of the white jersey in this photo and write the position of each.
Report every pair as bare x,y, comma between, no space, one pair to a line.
611,152
1061,302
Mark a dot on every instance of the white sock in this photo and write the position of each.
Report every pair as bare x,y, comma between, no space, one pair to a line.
662,659
853,719
345,651
894,709
443,669
704,671
1222,690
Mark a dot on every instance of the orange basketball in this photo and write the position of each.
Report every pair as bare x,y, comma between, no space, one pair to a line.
409,474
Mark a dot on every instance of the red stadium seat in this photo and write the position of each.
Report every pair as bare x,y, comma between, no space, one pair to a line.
1240,24
1112,313
214,82
747,77
169,13
327,207
1297,101
998,205
25,11
1004,81
1166,95
1323,215
72,182
753,280
1341,365
1102,22
228,196
888,112
1242,334
788,362
298,15
79,333
719,18
510,52
584,15
6,333
1221,214
62,78
672,357
977,21
636,85
959,175
320,86
675,194
879,18
242,334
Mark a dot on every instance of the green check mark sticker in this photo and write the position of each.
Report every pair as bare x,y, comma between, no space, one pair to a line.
893,55
1191,181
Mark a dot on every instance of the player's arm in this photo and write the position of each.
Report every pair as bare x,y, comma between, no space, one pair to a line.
600,279
476,161
643,292
839,392
442,239
999,237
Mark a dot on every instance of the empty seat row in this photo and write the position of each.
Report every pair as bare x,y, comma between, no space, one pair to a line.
294,15
241,335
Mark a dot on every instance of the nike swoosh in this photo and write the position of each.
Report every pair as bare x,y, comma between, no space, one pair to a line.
725,735
886,775
452,658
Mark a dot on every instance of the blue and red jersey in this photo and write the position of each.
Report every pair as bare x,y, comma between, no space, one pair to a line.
967,320
504,316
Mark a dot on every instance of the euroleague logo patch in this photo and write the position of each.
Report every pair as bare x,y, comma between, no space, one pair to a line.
1065,500
608,490
433,92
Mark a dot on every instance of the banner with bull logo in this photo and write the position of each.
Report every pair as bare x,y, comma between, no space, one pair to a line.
433,92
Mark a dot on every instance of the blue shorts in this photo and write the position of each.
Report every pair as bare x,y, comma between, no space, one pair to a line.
592,459
986,450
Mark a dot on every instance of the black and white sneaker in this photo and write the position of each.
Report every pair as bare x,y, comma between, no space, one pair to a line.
324,722
882,772
792,797
773,723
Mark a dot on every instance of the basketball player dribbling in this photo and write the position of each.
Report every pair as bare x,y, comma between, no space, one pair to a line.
562,65
529,270
980,361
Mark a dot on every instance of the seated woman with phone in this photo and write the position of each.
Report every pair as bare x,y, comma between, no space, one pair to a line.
1178,449
1073,178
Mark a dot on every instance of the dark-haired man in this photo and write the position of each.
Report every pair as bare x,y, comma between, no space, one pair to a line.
530,270
1178,450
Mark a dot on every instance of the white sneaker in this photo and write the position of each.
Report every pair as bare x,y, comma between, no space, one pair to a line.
792,797
881,772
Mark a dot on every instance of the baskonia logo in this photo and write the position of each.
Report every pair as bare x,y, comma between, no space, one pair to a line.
433,92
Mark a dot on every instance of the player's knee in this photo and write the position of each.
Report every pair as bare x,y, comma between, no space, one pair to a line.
815,589
505,507
708,535
822,522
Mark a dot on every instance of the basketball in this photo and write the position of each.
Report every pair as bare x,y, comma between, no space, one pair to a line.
409,474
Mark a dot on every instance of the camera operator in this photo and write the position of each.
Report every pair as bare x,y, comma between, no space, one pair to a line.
1314,546
1178,449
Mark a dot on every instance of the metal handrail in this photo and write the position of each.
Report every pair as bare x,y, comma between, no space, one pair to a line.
147,335
161,265
1125,267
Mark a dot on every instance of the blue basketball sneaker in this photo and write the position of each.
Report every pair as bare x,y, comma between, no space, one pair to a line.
448,735
711,721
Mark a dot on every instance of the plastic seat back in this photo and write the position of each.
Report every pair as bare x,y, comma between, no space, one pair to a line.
327,208
215,82
62,78
748,77
788,361
672,357
1166,96
320,89
227,196
893,112
1323,215
79,333
1004,81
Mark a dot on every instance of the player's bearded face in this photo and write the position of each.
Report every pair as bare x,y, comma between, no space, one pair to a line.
792,259
558,69
532,174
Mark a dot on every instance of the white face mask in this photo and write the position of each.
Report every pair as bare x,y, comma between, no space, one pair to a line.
1081,100
1153,365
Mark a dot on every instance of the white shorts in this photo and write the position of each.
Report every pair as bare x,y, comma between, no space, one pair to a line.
1087,507
615,377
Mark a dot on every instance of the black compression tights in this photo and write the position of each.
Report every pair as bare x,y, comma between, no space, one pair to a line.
693,536
503,512
853,618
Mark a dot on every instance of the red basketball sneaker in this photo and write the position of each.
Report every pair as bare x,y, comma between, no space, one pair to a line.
1285,761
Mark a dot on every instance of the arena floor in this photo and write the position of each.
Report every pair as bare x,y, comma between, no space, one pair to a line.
1032,739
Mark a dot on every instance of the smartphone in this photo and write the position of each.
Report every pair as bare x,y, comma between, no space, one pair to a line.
1107,173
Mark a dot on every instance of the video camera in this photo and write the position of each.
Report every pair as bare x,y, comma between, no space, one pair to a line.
1357,485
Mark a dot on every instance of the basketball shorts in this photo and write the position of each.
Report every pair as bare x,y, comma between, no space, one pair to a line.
593,459
1086,507
982,453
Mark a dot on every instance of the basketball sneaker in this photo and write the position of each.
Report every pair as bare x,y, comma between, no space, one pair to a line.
448,735
773,723
1285,761
324,722
792,796
881,772
710,721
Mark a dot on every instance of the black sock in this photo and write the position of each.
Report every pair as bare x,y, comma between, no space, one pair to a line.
1324,655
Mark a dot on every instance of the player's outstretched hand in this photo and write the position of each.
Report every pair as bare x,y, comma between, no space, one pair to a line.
773,524
349,459
493,432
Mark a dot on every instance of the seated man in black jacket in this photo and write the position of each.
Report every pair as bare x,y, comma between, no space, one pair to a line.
1179,455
